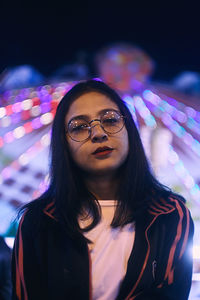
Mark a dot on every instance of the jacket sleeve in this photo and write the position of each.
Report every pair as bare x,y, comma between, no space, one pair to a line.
5,276
26,279
178,269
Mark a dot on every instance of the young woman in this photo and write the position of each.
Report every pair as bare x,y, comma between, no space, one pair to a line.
105,228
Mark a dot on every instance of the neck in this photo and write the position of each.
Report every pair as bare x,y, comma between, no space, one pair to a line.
103,187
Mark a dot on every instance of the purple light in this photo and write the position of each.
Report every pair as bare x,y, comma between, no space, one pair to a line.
43,93
181,117
167,119
136,84
190,112
97,79
46,98
15,118
36,124
17,98
24,93
7,94
188,139
198,117
45,107
175,128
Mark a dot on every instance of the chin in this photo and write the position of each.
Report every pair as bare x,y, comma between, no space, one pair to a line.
102,171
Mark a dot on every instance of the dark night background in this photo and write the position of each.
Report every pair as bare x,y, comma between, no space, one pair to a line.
50,34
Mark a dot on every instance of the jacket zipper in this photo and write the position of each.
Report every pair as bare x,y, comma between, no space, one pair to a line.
154,265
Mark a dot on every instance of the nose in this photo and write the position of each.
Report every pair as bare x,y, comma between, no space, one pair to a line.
98,134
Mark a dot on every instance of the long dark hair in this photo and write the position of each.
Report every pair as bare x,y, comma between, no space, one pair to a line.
67,188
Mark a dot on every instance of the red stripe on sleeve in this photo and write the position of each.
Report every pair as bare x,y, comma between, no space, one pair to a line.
21,261
145,262
49,205
169,271
166,206
186,233
90,275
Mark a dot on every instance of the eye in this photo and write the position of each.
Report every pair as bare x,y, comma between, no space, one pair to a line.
110,120
77,126
80,127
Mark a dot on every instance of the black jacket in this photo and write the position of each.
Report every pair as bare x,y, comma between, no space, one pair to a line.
5,271
47,264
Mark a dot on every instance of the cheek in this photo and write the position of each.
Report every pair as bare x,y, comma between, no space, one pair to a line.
72,147
75,150
125,142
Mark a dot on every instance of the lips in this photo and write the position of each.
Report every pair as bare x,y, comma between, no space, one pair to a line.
102,150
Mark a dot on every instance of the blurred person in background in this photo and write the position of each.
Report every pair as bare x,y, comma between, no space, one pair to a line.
5,271
105,228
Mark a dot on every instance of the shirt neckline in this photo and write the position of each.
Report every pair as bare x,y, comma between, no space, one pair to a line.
107,202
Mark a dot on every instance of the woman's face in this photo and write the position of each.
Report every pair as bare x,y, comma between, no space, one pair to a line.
102,153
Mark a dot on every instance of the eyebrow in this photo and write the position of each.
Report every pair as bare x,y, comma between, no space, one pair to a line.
86,117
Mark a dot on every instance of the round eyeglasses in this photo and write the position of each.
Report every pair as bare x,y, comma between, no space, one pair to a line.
79,129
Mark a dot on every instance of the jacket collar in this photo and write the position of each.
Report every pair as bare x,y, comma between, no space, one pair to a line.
49,210
156,208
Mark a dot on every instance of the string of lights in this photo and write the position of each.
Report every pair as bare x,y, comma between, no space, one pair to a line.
28,103
183,114
174,126
27,128
173,158
25,158
184,175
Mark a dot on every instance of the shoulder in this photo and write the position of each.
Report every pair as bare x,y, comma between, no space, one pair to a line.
167,204
173,214
32,216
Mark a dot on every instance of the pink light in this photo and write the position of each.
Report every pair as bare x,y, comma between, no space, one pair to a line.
17,107
14,165
9,138
6,173
25,115
54,104
36,101
1,142
28,127
9,110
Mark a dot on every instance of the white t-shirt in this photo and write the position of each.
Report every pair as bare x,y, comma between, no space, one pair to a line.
109,252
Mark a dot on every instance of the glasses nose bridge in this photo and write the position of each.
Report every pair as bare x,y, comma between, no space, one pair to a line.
93,126
95,120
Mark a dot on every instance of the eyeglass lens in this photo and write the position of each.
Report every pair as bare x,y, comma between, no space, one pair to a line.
79,129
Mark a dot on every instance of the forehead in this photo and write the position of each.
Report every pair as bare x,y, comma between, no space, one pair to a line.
90,104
